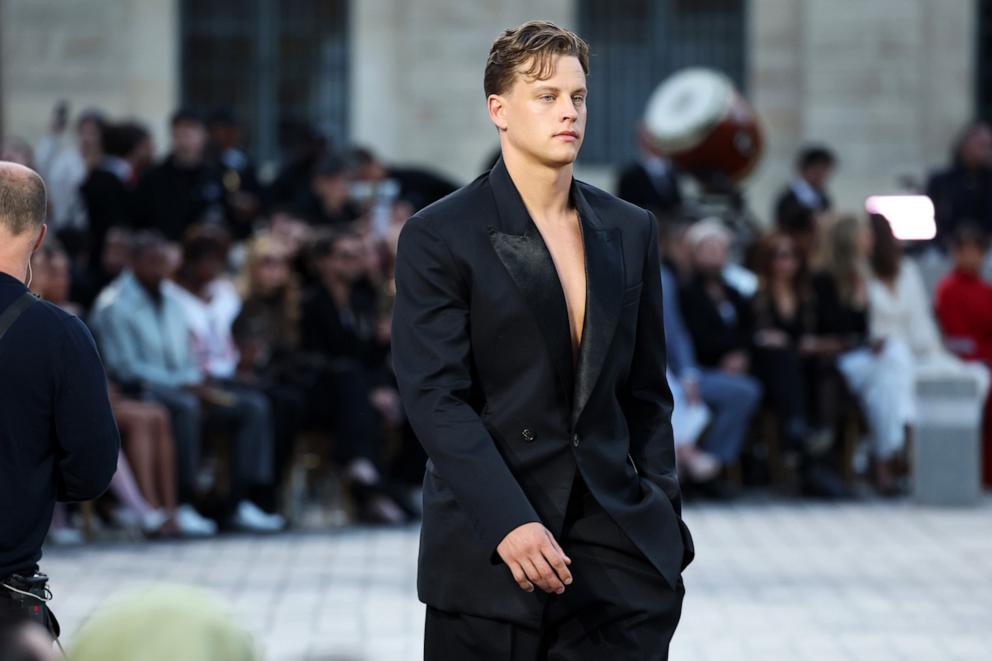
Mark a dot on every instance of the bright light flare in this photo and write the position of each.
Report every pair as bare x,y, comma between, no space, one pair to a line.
910,216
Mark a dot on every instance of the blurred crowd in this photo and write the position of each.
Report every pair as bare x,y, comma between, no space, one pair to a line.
244,326
796,345
244,320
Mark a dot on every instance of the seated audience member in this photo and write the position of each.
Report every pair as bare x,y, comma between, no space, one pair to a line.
878,372
899,310
331,205
794,360
146,480
210,304
184,188
731,398
340,326
784,318
114,258
717,316
305,148
266,332
144,335
51,277
963,303
963,192
109,188
237,172
149,503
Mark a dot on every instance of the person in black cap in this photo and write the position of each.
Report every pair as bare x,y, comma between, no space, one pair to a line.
58,438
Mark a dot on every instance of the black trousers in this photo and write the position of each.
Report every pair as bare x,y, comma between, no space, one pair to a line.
618,608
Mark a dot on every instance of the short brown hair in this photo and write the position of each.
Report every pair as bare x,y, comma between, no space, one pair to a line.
23,199
537,41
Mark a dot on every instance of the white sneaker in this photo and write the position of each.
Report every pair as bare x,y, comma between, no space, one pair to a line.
153,521
250,518
192,524
125,518
150,522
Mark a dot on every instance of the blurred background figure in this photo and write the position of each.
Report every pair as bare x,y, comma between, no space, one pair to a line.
963,192
225,150
184,188
652,182
963,305
163,622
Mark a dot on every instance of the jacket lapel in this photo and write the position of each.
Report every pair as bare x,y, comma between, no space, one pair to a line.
604,294
521,248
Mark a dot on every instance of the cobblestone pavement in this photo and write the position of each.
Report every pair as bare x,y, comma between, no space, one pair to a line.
772,580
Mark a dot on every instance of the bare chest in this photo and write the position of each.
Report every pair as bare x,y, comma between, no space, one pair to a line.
564,241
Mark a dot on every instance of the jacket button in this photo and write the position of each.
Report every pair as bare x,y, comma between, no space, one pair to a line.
575,440
528,435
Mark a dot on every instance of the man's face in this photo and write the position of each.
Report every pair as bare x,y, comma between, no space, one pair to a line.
711,255
346,261
969,257
151,266
976,150
544,120
818,175
332,190
188,140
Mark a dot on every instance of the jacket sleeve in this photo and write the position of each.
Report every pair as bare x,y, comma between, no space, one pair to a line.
88,440
646,398
431,354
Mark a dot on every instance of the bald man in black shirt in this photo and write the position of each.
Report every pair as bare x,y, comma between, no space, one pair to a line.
58,438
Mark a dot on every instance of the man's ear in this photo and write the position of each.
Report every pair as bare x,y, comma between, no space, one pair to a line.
41,239
497,110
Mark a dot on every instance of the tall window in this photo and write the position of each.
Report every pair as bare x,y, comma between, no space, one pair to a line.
983,91
635,44
275,63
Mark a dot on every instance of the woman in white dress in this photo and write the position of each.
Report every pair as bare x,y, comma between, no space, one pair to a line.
904,344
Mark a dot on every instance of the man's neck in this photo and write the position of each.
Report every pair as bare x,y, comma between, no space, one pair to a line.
544,190
12,260
154,292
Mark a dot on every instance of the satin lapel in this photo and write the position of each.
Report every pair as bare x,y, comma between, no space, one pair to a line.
521,249
604,293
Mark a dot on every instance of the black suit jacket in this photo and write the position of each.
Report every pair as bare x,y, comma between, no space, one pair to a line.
482,355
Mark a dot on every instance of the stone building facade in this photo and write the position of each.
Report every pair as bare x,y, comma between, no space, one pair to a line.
886,83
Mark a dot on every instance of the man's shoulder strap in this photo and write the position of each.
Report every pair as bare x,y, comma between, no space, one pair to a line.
14,310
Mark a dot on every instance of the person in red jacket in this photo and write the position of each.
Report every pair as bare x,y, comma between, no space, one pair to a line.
963,305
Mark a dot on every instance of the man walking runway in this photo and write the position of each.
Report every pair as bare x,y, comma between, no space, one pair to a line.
529,350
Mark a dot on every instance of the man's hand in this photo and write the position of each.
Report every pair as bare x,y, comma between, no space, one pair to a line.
534,558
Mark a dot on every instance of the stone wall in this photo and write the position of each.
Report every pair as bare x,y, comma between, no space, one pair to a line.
886,83
416,77
118,55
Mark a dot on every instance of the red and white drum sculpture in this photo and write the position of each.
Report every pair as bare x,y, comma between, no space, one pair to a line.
699,120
